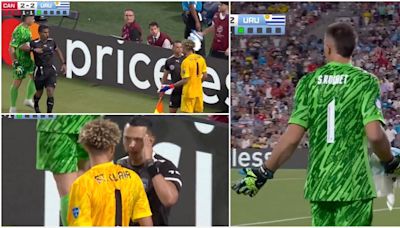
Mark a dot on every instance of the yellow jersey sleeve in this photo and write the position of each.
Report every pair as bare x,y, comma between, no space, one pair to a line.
141,208
79,208
185,69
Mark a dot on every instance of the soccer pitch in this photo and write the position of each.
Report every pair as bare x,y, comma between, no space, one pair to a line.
281,203
78,96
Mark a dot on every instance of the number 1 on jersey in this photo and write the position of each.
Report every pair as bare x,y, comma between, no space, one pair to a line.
330,134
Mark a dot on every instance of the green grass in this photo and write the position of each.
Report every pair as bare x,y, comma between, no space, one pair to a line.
106,18
282,199
78,96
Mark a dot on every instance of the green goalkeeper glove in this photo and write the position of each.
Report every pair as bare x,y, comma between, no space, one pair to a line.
19,70
252,182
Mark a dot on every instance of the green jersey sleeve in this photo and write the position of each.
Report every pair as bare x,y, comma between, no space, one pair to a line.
371,105
16,38
300,114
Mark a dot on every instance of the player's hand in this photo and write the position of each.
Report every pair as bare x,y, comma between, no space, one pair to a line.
165,88
393,167
227,52
19,70
63,68
147,148
38,50
252,182
15,63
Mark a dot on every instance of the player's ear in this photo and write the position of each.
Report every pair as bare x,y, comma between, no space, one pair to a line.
152,139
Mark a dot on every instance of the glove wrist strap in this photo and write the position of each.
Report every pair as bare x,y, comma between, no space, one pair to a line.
267,173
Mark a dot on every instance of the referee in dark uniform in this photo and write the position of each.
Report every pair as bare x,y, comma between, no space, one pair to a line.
173,67
162,180
193,20
45,75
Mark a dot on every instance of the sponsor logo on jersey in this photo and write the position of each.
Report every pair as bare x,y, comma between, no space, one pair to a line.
75,212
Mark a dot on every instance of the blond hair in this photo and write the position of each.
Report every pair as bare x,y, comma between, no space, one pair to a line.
188,44
100,135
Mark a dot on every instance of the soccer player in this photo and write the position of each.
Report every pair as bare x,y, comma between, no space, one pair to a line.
22,62
158,38
45,74
220,27
161,179
131,29
193,73
107,194
58,151
173,67
339,106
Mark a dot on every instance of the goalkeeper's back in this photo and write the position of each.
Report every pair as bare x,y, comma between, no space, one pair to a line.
335,103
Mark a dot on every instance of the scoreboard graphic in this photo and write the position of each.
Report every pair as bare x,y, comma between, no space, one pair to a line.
258,24
54,8
30,117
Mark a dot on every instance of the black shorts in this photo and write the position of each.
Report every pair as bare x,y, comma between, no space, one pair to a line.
175,99
45,77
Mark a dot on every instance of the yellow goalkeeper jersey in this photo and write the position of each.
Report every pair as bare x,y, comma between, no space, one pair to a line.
107,195
193,67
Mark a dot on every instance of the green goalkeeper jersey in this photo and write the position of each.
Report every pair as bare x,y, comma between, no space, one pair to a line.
335,103
65,124
22,35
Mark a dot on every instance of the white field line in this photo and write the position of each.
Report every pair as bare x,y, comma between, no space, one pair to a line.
298,218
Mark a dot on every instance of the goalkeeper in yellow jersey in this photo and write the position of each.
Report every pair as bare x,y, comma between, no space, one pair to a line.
193,73
107,194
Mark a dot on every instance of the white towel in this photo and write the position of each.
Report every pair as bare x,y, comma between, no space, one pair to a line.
384,183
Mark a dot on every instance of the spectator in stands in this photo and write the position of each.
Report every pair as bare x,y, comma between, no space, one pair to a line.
220,27
131,30
265,69
391,134
192,18
158,38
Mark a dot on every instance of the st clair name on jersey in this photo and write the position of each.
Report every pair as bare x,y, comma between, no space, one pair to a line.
332,79
113,177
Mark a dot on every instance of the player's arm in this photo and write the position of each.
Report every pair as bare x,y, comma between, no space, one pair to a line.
60,57
79,208
12,54
13,46
25,47
204,70
286,146
184,75
167,182
193,12
147,221
141,209
373,120
164,79
288,142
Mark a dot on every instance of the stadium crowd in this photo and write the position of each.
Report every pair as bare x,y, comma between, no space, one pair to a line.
265,70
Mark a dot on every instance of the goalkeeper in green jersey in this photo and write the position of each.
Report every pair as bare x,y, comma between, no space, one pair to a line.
22,62
58,151
339,106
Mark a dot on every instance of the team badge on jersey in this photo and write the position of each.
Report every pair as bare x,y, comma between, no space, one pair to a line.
171,67
75,212
378,104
